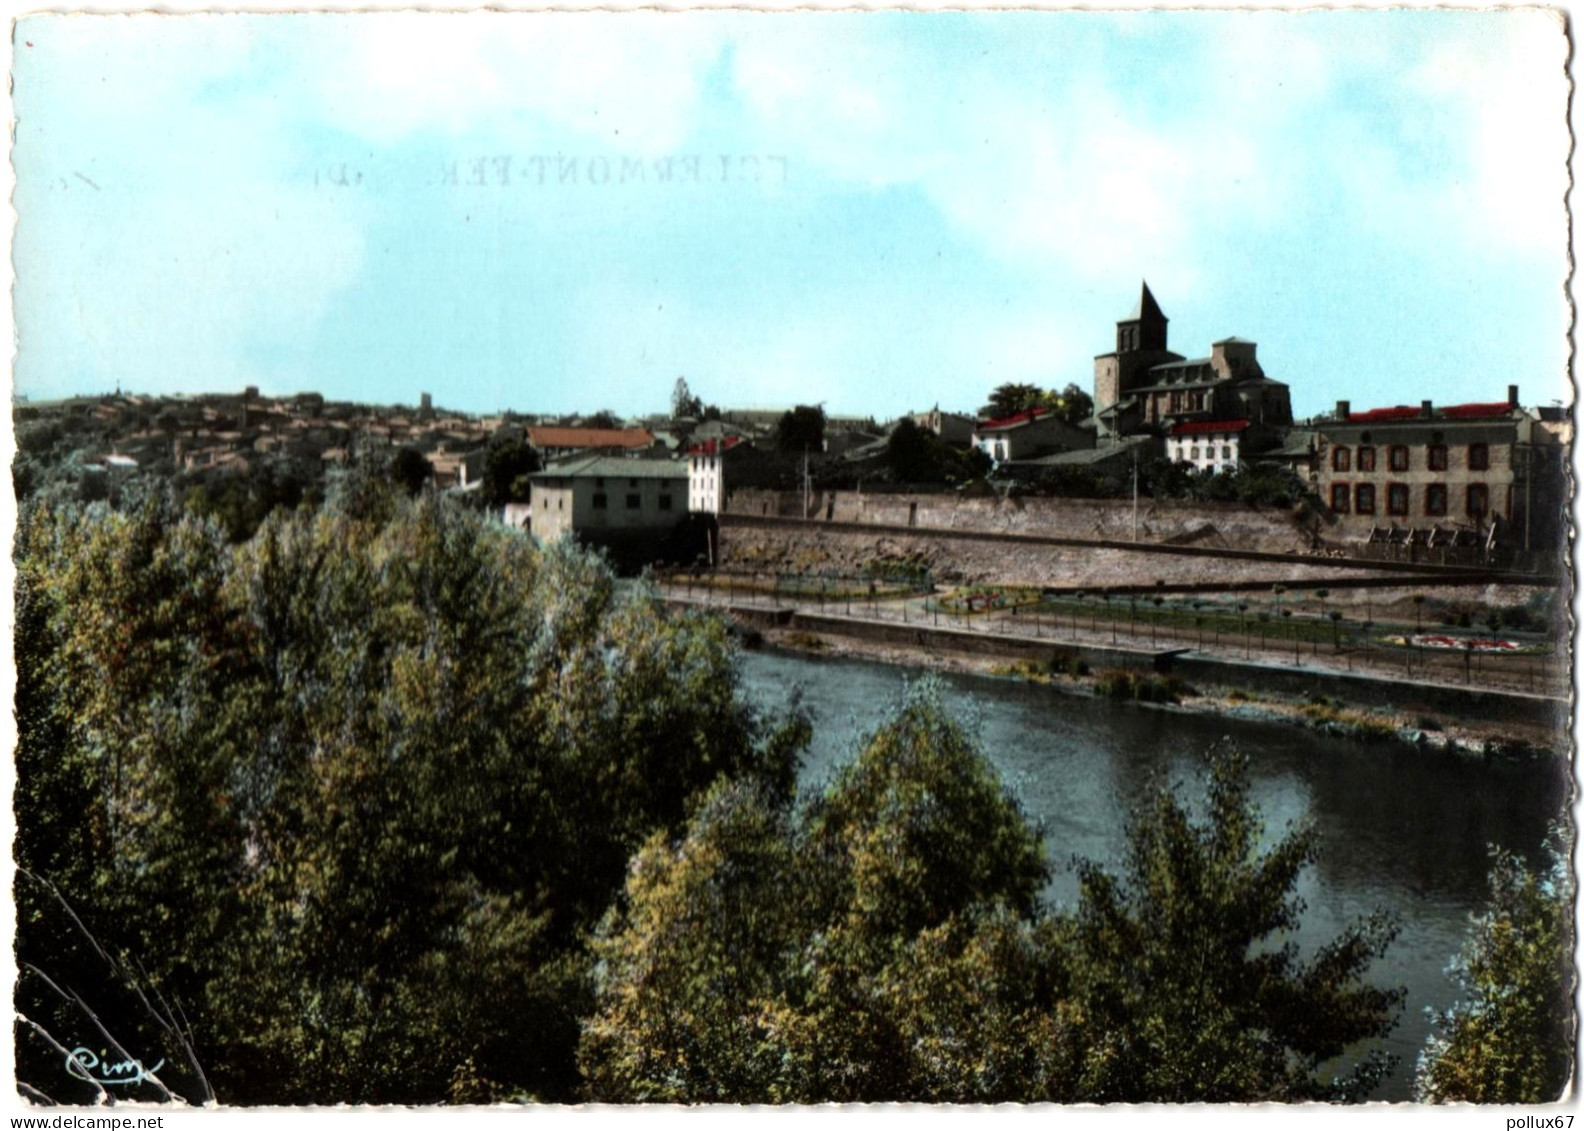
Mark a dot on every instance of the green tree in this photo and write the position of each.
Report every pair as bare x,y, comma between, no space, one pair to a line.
802,428
683,402
507,465
1012,398
909,453
410,469
1510,1040
355,792
1072,404
783,953
1186,993
917,455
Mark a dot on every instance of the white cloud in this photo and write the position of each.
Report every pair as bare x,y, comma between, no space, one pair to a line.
179,248
638,75
1509,87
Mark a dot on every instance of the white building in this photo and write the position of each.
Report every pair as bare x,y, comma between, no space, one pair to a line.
1029,434
707,474
1209,445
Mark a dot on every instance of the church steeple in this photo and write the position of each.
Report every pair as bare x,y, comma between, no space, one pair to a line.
1145,328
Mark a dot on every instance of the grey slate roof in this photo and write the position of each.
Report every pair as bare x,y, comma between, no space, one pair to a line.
1086,457
613,467
1146,307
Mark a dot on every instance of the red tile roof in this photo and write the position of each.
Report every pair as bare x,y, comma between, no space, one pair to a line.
1474,411
1200,427
1380,415
547,436
710,447
1447,412
1017,419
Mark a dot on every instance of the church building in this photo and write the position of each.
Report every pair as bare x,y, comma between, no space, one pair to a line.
1144,387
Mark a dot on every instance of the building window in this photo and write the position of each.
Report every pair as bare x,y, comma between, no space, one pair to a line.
1366,459
1397,498
1399,457
665,502
1341,459
1193,453
1478,498
599,500
632,502
1339,498
1226,452
1479,459
632,482
1435,459
1436,499
599,482
1364,498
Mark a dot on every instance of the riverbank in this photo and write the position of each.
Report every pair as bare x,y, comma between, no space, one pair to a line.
1444,731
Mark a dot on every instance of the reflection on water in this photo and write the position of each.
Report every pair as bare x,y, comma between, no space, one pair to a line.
1400,829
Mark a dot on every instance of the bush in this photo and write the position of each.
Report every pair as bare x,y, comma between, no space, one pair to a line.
1141,687
1064,662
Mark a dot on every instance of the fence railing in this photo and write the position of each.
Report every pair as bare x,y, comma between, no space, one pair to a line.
1299,642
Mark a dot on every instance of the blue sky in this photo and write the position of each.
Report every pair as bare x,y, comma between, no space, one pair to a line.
556,212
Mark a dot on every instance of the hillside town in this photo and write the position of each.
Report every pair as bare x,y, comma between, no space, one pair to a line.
1478,483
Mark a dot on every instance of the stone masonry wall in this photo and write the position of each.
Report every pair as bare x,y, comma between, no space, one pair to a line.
1225,525
799,548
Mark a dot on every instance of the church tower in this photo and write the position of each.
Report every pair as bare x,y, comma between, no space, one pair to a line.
1140,344
1145,328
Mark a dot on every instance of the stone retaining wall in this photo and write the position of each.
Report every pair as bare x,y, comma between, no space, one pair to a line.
1225,525
802,548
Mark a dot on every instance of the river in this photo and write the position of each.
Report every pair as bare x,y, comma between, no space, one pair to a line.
1399,829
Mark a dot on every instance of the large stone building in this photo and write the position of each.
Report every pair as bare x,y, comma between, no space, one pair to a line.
1143,386
604,499
1495,469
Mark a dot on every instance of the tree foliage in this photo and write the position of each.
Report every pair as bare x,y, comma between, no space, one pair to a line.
1188,994
773,954
1071,404
508,463
683,402
916,455
1511,1039
410,469
354,793
800,429
885,941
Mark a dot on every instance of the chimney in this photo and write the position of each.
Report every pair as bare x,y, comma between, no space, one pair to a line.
1512,396
1424,409
1342,411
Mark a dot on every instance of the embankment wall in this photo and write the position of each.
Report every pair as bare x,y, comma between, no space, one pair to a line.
1224,525
804,547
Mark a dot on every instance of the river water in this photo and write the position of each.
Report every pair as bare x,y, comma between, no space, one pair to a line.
1399,829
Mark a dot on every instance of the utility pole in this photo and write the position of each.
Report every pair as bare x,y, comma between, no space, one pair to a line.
1135,493
805,482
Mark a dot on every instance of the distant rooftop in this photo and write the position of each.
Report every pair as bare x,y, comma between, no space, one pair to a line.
1201,427
614,467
